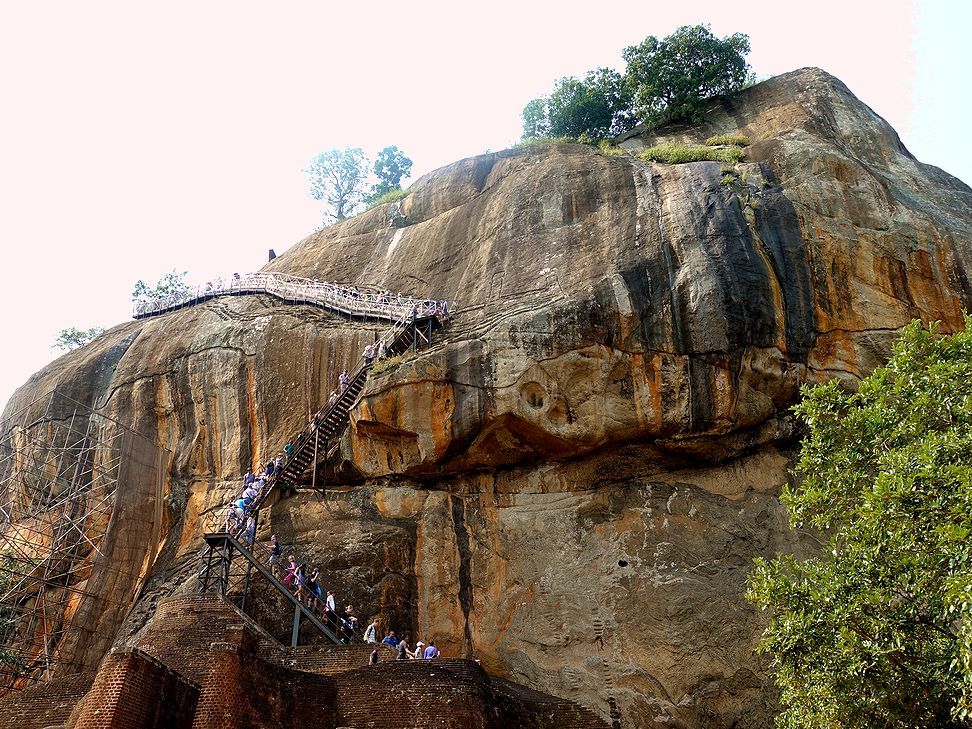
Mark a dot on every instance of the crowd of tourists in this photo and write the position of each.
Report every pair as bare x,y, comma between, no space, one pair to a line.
240,520
304,583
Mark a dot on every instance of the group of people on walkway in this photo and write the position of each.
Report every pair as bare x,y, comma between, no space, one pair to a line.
289,286
304,583
422,651
240,516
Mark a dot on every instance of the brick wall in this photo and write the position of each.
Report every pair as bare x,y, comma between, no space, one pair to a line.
242,691
44,705
328,660
447,693
134,690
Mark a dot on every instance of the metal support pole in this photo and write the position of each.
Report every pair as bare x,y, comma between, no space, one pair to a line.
414,333
246,583
224,568
204,580
295,633
317,433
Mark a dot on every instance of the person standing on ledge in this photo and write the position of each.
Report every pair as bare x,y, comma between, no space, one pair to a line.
371,632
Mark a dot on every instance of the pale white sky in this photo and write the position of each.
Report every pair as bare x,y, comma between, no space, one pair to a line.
135,138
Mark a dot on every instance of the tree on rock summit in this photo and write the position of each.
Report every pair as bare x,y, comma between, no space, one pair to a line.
665,80
595,107
391,166
672,78
338,178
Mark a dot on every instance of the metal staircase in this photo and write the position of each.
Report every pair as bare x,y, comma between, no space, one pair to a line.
220,570
230,569
332,419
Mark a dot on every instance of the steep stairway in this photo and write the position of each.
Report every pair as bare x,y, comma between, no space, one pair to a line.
332,419
232,560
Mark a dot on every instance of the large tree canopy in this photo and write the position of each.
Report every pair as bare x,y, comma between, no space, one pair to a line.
672,78
338,178
876,631
391,166
665,80
595,107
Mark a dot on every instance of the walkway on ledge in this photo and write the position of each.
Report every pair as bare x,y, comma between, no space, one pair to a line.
348,300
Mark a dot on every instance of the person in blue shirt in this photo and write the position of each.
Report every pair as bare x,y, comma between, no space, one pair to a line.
390,639
431,651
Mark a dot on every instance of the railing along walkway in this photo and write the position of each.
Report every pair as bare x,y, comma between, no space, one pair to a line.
347,300
217,575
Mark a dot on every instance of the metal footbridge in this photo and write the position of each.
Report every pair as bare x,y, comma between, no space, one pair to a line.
352,301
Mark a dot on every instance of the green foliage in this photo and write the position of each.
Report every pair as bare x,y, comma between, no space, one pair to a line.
536,141
171,284
876,630
72,338
338,178
672,78
606,148
391,196
391,165
596,107
728,140
665,80
675,154
386,364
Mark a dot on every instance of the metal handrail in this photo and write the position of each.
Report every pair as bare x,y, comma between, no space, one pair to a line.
350,300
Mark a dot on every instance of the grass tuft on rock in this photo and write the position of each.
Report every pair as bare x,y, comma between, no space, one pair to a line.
388,363
676,154
728,140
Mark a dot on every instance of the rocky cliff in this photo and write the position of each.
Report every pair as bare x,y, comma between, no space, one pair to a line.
572,482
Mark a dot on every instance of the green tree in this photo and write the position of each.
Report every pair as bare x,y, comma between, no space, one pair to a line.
72,338
536,119
171,284
876,630
593,108
391,166
672,78
338,178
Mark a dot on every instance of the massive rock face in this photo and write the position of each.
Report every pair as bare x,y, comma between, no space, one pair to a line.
571,484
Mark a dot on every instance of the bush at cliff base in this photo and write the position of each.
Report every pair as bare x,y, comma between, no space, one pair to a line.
875,631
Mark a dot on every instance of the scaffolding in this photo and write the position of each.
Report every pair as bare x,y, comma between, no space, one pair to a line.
72,553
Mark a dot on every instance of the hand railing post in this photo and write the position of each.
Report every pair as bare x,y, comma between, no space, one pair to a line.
295,633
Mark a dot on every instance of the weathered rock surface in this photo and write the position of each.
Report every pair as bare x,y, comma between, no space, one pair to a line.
571,484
